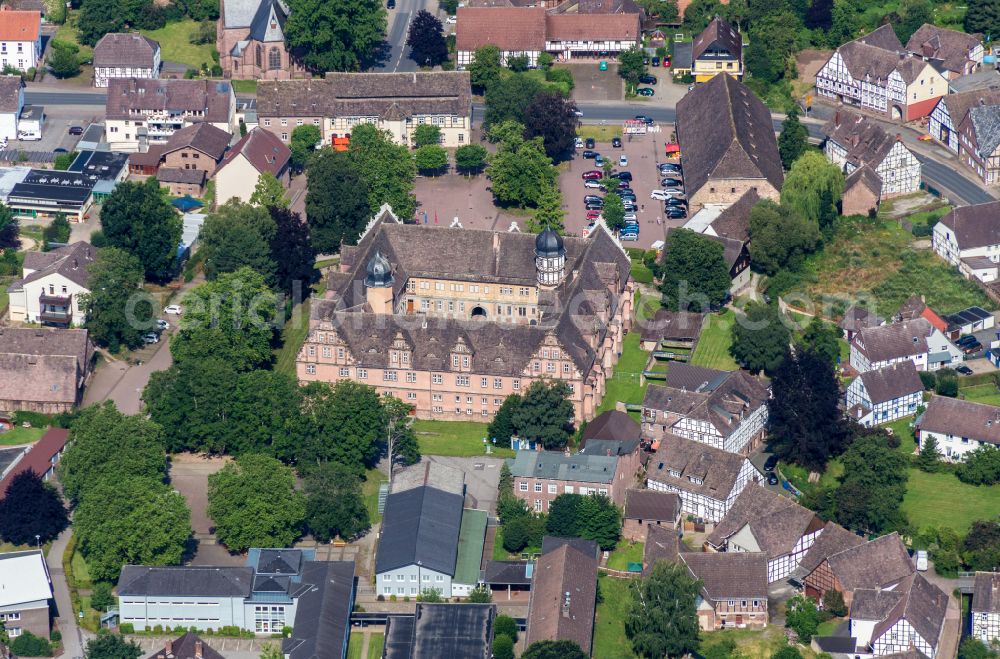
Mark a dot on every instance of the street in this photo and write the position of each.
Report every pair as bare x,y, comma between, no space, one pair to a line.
399,26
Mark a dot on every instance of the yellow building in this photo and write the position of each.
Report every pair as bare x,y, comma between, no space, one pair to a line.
718,49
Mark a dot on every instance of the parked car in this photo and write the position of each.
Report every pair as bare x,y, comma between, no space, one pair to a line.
150,338
968,338
963,369
390,4
162,325
666,61
594,205
451,20
174,309
593,174
616,142
593,215
592,197
772,478
921,560
623,160
624,185
656,61
645,118
592,183
629,236
675,213
647,79
970,348
591,143
771,462
626,193
590,154
665,167
59,149
621,176
631,217
578,114
76,130
671,182
645,91
665,194
675,202
578,143
599,160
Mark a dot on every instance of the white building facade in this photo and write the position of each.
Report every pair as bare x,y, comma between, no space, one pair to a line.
20,39
695,503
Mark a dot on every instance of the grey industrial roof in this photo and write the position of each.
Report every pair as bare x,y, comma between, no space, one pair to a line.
101,165
556,465
420,527
970,315
456,631
323,613
187,581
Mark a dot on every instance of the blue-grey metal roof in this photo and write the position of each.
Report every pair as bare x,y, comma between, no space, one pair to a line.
323,614
420,527
555,465
187,581
938,357
269,22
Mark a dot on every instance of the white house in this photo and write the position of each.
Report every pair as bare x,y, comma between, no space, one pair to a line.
915,340
724,409
51,285
885,394
958,426
708,480
20,39
892,620
258,152
25,595
125,55
763,521
970,235
853,142
952,109
986,607
11,105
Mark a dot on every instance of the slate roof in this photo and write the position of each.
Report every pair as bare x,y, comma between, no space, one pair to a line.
883,37
961,418
130,49
187,647
673,326
611,425
559,571
650,505
730,574
986,124
856,318
726,132
556,465
723,401
262,149
723,36
923,605
892,382
420,526
279,561
323,614
866,142
177,175
203,137
974,226
776,522
958,104
894,341
582,545
185,581
71,262
367,95
689,377
10,93
875,54
874,564
268,23
19,25
39,457
241,13
441,630
507,28
865,176
950,47
716,468
131,97
508,572
986,593
833,540
47,365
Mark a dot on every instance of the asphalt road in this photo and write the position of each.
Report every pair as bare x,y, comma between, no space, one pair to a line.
399,25
943,176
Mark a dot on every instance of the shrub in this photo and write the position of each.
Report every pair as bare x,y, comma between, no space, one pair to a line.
928,379
392,598
503,647
157,629
29,645
380,598
101,598
506,626
126,628
833,602
55,636
981,466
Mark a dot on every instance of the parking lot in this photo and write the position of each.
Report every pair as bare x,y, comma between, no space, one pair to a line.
643,153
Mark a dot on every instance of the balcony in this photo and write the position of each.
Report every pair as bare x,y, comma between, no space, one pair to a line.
55,300
54,317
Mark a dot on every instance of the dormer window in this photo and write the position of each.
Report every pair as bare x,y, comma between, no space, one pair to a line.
695,480
674,473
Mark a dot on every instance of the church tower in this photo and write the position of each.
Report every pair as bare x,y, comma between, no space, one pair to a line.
550,258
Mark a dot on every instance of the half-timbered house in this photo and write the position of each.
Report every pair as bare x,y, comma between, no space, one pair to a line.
877,564
917,340
986,607
909,615
979,142
854,142
813,574
885,394
952,109
954,53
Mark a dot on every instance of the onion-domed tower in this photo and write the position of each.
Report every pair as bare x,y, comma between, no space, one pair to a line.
550,258
378,284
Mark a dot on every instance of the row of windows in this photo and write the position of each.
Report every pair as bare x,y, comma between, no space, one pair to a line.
15,615
165,603
413,577
554,488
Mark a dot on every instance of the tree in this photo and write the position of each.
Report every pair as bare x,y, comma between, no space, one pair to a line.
303,144
138,219
504,624
427,134
661,619
794,138
553,118
337,201
833,603
503,647
231,318
808,178
506,483
802,617
665,10
272,651
62,60
237,235
929,459
632,65
117,310
820,15
700,13
431,158
564,516
335,35
64,160
772,42
101,598
695,274
982,16
130,520
426,40
111,646
518,63
599,520
871,490
292,253
523,531
98,18
521,172
400,441
545,414
508,99
31,508
58,231
253,503
613,212
103,442
554,650
760,339
806,425
981,466
485,68
788,652
470,158
387,167
981,547
549,214
822,339
481,594
334,506
912,14
780,238
973,648
9,229
269,192
342,423
29,645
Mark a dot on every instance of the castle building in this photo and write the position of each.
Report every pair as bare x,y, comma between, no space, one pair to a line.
453,320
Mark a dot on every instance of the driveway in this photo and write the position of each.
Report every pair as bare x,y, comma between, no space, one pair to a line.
72,637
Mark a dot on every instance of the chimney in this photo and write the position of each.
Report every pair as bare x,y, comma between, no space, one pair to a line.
899,137
197,649
565,606
168,648
836,118
76,263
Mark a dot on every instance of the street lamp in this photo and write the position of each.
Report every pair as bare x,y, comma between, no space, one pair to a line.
38,541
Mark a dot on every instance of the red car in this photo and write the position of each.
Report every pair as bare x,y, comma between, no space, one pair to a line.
593,175
593,215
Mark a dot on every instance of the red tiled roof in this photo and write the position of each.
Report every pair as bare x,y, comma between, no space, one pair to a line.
507,28
39,457
591,27
19,25
934,319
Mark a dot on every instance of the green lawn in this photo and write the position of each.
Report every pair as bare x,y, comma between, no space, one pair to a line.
293,334
712,350
599,133
626,552
901,428
81,572
176,46
625,384
799,476
369,490
21,435
245,86
752,643
609,629
454,438
988,394
827,628
355,644
943,500
375,643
